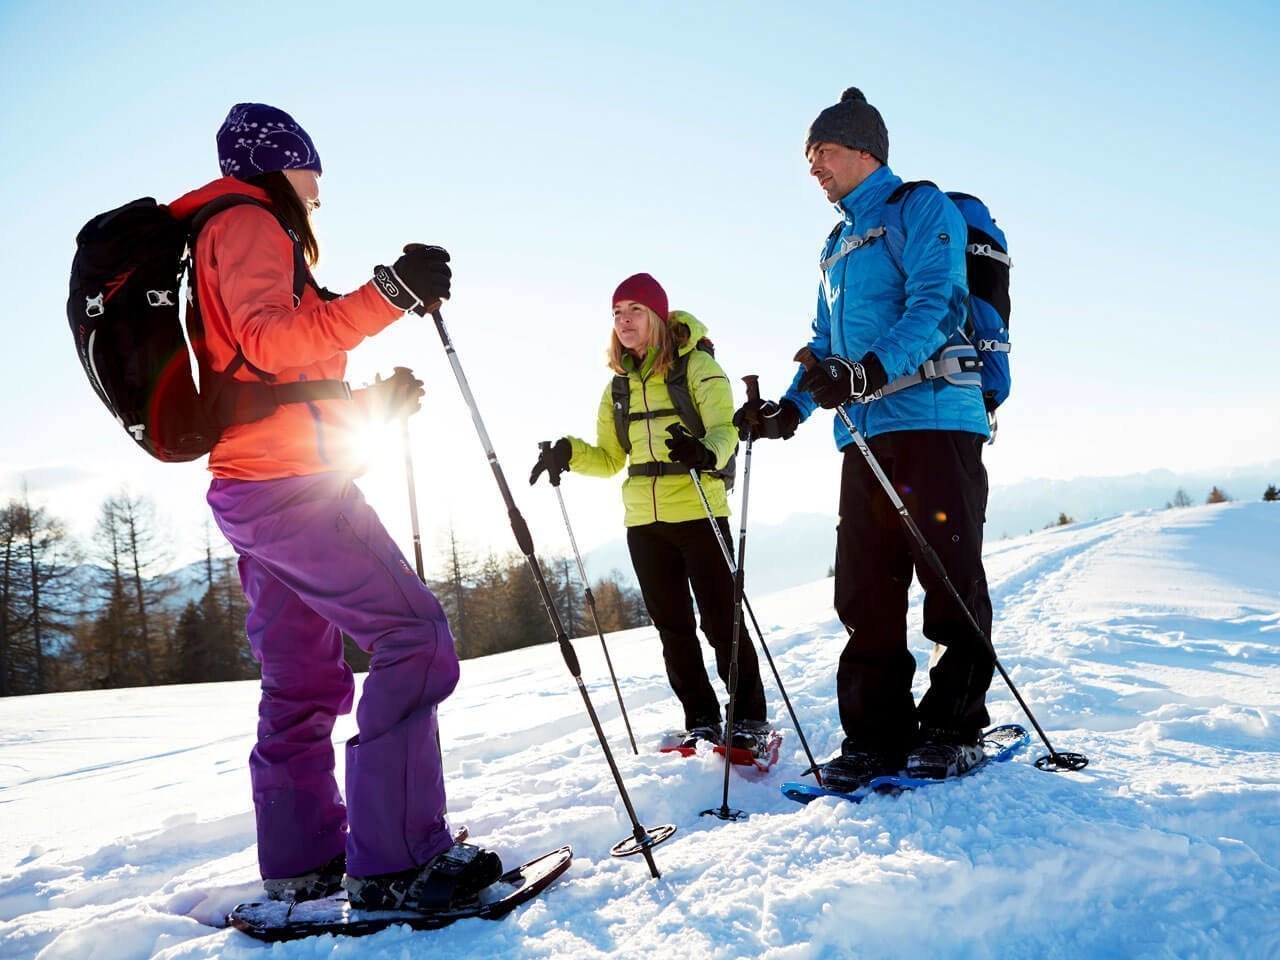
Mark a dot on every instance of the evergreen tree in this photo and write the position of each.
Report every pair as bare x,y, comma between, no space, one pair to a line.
37,601
619,607
1271,494
455,588
128,645
1217,496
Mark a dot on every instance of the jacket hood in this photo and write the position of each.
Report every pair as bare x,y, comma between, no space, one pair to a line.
697,329
186,205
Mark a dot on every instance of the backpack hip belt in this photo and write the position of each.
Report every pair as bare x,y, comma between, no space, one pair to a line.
658,468
959,365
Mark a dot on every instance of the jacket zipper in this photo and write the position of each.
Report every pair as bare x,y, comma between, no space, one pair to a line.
648,429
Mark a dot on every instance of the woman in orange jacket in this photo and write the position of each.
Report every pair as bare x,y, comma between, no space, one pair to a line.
314,559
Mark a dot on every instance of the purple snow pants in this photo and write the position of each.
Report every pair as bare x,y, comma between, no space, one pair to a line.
316,562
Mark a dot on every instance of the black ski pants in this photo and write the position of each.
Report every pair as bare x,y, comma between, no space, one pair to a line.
668,559
940,477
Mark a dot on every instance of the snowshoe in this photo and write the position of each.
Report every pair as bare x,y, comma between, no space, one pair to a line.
273,921
999,744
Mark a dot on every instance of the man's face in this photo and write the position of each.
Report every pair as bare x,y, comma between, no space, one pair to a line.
839,169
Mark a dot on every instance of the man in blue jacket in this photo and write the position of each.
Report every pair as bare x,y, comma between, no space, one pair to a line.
892,296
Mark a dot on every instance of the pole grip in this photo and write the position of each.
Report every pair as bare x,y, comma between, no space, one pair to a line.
570,658
753,387
804,356
524,539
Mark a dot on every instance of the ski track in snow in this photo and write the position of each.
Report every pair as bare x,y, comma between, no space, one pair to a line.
1149,642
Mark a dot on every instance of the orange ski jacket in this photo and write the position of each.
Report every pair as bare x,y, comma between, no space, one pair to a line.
244,270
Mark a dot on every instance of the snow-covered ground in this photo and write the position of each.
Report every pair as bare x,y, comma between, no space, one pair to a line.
1149,642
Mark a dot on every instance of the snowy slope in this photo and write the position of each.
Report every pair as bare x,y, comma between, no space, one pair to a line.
1149,642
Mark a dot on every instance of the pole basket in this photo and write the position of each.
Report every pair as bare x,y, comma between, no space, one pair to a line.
724,813
1062,762
630,846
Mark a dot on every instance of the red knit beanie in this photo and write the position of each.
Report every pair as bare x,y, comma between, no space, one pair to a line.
642,288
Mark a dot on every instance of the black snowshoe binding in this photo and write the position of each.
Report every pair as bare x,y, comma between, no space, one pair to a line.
856,767
712,734
447,881
316,885
754,736
942,754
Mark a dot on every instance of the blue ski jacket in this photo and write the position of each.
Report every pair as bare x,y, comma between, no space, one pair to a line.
904,314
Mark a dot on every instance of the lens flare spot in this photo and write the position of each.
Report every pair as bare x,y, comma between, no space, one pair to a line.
940,517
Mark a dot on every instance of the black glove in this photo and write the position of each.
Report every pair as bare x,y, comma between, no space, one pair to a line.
399,396
835,381
687,449
418,281
767,420
554,459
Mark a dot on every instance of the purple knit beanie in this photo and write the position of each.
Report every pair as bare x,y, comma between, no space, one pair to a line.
256,138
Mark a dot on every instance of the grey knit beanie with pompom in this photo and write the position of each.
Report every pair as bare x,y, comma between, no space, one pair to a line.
852,123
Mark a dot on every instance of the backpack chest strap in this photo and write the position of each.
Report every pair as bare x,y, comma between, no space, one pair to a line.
850,244
652,414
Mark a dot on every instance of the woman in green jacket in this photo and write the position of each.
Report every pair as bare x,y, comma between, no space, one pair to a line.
659,368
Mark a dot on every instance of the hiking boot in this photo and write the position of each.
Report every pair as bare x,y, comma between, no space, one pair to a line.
710,733
944,753
752,736
448,880
857,766
322,882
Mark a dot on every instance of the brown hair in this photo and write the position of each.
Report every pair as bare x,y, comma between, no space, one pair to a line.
666,339
290,208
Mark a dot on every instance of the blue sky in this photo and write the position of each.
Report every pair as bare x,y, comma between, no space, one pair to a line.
1127,151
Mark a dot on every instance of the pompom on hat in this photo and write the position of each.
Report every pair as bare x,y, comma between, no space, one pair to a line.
642,288
851,123
257,138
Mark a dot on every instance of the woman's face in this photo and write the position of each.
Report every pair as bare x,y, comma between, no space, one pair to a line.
631,324
306,184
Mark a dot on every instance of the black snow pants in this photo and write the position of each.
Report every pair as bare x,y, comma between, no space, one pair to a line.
940,477
668,559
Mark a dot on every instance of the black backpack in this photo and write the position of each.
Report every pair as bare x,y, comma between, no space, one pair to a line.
124,310
682,405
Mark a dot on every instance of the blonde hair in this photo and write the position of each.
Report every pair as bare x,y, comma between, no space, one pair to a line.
666,339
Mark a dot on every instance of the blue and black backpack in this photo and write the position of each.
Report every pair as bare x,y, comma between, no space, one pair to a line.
987,263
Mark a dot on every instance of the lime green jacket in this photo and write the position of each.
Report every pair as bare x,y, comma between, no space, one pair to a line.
673,498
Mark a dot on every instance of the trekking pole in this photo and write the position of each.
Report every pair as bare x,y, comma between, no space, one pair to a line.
641,841
675,430
554,475
413,499
413,521
1055,760
724,813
